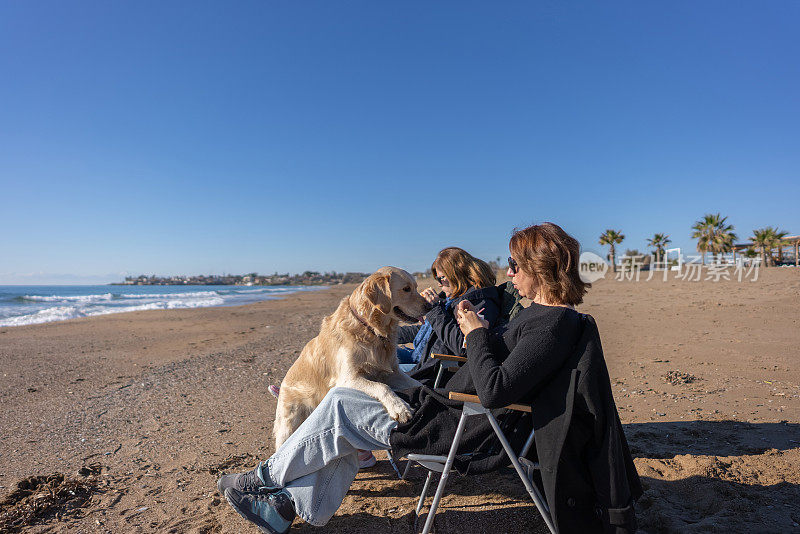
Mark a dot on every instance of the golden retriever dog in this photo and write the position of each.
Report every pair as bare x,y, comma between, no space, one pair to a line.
356,348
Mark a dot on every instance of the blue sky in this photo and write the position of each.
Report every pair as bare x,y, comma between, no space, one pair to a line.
202,137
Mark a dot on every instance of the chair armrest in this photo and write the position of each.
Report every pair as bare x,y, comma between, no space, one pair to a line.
465,397
449,357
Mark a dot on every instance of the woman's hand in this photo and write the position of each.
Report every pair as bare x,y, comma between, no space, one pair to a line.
430,295
468,319
465,305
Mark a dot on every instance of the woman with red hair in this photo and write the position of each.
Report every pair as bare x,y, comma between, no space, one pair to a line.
549,357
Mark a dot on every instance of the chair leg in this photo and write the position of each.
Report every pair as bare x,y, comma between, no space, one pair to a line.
394,466
424,491
532,490
451,456
406,470
438,376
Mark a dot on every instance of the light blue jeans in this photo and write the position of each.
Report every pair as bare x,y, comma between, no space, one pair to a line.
317,464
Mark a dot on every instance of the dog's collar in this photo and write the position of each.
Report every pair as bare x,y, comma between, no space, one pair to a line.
364,321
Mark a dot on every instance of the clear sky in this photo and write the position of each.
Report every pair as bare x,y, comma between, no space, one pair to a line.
210,137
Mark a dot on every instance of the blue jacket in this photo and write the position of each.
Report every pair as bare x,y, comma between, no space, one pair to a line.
446,337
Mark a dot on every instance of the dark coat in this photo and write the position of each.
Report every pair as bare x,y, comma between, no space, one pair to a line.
549,357
510,302
587,469
446,337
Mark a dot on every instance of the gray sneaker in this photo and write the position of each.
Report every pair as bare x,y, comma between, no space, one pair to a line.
271,512
249,482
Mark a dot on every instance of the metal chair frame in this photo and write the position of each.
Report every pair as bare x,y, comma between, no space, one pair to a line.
444,464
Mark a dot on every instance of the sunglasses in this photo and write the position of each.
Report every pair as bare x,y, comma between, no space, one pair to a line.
512,265
442,280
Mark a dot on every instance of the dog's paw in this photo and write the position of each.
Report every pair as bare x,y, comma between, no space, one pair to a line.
399,410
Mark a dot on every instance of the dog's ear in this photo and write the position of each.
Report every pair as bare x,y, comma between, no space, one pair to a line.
378,292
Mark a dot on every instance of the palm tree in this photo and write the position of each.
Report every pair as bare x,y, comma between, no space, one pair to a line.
659,242
766,239
723,237
763,238
714,234
702,232
779,242
611,238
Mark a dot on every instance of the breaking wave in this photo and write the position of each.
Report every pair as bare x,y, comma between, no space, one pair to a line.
28,308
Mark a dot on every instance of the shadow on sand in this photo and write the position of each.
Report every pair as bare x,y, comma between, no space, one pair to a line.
702,493
713,438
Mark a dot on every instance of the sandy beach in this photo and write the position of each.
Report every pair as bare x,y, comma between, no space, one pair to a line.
140,412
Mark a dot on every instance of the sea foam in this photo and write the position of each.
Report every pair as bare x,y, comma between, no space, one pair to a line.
61,313
27,308
70,298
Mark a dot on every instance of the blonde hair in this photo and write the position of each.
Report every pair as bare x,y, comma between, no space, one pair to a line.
463,270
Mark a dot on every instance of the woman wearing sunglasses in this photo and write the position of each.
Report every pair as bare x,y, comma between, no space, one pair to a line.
461,277
549,356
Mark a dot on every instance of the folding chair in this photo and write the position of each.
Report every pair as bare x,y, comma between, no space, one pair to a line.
447,362
444,464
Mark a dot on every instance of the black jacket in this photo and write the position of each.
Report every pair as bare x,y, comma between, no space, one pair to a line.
587,469
549,357
446,337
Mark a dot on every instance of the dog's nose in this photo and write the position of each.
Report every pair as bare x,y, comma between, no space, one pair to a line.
427,306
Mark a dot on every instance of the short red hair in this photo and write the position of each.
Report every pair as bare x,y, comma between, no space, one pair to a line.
551,256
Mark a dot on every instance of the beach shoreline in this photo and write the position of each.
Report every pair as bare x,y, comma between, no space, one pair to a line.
23,305
157,403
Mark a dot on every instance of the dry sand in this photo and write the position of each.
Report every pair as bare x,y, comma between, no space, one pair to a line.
154,405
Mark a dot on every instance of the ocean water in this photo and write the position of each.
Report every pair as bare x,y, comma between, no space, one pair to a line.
21,305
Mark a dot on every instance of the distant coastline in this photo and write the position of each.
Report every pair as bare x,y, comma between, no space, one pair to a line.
308,278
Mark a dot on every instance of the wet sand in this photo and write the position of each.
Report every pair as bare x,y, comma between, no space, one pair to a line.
155,404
